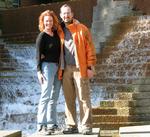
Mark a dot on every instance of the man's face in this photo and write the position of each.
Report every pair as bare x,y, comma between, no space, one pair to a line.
66,14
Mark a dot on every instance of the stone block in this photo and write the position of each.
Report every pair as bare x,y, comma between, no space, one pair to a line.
60,134
108,133
10,133
117,103
104,111
135,131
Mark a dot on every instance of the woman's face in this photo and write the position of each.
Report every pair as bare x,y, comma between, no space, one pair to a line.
48,22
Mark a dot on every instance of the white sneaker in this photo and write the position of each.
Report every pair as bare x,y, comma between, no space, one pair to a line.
87,131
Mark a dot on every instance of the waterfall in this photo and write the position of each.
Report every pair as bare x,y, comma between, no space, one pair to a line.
20,90
125,62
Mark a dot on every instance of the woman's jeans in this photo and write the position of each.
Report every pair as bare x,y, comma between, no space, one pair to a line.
49,95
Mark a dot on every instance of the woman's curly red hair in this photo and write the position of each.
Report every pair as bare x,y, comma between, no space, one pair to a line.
48,13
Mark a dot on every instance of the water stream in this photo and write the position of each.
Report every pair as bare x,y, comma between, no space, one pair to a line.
20,91
127,61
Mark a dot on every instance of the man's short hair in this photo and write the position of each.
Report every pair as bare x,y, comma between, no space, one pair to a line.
65,5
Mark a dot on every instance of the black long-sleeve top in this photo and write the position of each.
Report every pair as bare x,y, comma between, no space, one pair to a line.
47,49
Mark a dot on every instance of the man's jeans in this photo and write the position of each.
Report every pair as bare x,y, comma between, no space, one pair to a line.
49,95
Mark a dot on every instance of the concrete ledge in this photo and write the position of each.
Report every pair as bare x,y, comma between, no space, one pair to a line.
60,134
10,133
135,131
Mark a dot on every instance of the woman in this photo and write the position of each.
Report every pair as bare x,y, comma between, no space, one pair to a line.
48,61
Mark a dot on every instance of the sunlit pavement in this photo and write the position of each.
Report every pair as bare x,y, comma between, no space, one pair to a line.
60,134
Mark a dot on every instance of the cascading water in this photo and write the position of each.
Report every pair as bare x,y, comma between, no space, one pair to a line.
126,63
20,90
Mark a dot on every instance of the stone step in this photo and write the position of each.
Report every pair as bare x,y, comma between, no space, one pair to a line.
142,88
141,95
117,103
144,81
17,81
17,73
117,119
104,111
60,134
114,61
5,55
28,117
21,69
7,59
19,46
107,61
108,133
130,96
110,64
7,69
124,103
115,75
123,96
111,88
116,81
10,133
116,126
135,131
4,51
124,111
142,52
107,111
129,18
15,66
112,48
107,69
21,37
100,72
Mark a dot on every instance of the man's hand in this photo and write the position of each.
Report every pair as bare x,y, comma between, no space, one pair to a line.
90,73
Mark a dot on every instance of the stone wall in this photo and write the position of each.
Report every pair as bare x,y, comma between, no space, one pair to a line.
142,5
25,19
28,2
24,3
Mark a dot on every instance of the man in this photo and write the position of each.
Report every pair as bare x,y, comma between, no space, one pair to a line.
80,58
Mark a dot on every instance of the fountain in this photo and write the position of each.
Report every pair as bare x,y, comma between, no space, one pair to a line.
20,89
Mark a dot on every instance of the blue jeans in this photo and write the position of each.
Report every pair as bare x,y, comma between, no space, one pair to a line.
49,95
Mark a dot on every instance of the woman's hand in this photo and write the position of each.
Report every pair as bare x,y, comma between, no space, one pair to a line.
40,77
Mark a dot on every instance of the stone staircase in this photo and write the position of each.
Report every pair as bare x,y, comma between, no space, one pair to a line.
26,37
107,13
123,75
18,87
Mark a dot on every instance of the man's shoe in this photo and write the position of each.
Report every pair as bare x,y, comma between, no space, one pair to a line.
71,130
87,131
